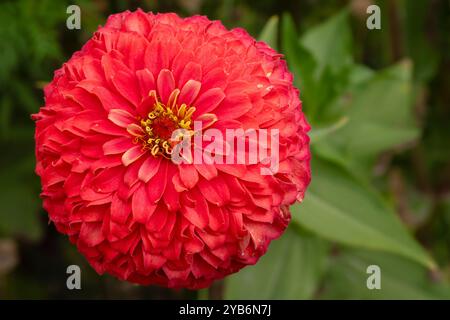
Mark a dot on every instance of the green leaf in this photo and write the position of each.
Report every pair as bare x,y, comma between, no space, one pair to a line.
269,33
359,74
321,62
19,211
317,134
291,269
25,97
380,117
301,63
330,43
418,45
400,278
339,208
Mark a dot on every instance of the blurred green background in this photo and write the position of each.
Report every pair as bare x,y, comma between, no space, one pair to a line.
379,105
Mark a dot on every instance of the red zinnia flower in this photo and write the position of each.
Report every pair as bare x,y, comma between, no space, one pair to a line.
103,147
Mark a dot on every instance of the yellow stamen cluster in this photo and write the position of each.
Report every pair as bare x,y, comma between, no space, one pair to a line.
159,125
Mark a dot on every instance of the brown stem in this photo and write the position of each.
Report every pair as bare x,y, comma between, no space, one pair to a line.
216,291
395,32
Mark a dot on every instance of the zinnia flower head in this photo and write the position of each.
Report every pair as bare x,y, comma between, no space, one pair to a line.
104,145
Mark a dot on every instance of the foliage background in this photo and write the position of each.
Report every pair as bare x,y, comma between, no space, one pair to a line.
378,102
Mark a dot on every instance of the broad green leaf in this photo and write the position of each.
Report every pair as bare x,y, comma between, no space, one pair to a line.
321,62
317,134
400,278
359,74
330,43
301,63
291,269
269,33
339,208
380,117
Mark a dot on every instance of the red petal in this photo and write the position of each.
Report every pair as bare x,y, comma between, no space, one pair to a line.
146,81
121,117
149,168
91,234
261,232
137,22
92,69
131,174
127,86
215,191
109,99
107,180
120,210
188,175
116,146
158,219
141,207
120,76
191,71
156,57
157,185
152,261
132,155
106,127
195,209
178,185
215,78
237,192
171,196
147,104
189,92
165,84
135,130
72,184
208,171
209,100
218,219
237,170
213,241
234,107
131,45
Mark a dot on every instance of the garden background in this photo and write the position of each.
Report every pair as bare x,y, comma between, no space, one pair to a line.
379,105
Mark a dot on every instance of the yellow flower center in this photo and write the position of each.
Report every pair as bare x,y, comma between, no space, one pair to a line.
159,125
